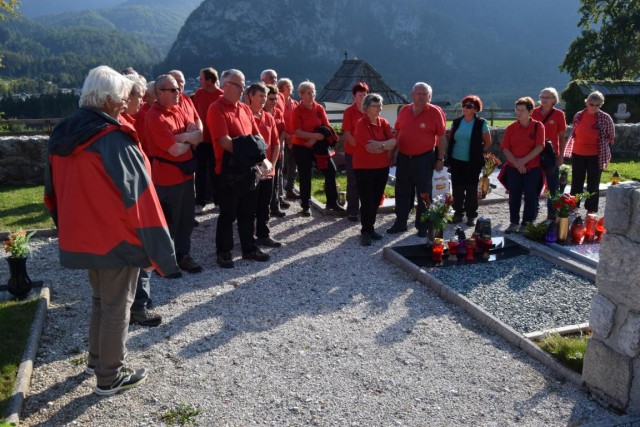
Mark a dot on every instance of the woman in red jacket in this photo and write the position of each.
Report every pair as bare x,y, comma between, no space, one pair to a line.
307,118
374,147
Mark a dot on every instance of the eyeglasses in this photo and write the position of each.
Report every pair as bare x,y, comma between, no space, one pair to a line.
125,100
171,89
546,97
272,99
239,86
469,106
591,104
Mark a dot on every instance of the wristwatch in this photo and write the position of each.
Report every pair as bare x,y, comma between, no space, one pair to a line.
442,160
383,145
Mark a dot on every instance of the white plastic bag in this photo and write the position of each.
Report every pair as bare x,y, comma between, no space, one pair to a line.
440,183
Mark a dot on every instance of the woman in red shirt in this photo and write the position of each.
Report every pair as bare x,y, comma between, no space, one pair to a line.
373,151
588,146
521,145
307,118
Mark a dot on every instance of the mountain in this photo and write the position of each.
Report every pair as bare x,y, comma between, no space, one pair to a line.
156,22
499,49
35,8
65,55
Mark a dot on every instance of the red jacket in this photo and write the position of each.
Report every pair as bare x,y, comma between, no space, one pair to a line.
99,192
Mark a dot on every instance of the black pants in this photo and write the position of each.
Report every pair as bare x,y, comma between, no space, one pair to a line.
586,166
304,159
178,202
235,204
412,171
205,174
277,193
289,168
371,184
265,189
464,183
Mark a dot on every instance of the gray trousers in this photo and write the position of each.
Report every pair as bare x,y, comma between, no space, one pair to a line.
113,292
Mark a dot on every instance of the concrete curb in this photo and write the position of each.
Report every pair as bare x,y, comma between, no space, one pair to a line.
482,316
23,380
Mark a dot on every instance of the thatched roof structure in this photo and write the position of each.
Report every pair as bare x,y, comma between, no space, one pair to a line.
351,72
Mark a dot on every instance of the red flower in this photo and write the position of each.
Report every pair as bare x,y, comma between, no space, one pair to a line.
425,197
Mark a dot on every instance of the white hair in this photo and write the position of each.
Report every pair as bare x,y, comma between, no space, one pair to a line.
103,82
231,72
424,85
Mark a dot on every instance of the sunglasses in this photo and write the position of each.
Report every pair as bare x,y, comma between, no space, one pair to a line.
469,106
591,104
172,89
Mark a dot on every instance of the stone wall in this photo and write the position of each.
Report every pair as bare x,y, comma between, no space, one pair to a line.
612,362
22,158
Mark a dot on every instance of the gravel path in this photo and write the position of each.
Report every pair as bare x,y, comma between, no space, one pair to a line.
327,333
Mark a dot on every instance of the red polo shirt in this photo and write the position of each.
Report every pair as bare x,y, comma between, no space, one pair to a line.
161,124
202,100
269,131
308,120
418,134
224,118
350,117
553,126
366,131
520,140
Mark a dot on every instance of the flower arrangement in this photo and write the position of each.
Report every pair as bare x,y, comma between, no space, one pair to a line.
566,202
491,162
17,244
439,211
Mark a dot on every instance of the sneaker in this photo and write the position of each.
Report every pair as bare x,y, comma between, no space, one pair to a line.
268,242
127,378
90,370
457,218
337,209
365,239
422,233
471,222
176,275
284,205
187,263
198,209
305,212
523,228
513,228
225,260
395,228
353,218
144,317
256,255
278,213
290,195
376,236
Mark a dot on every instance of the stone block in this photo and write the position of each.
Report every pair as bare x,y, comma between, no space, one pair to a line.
633,407
601,316
628,335
607,374
618,274
623,204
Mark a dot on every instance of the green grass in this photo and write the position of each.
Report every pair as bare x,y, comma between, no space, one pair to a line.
317,186
22,207
16,318
569,350
182,414
628,168
499,123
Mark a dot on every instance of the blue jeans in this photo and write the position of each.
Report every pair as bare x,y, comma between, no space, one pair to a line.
527,184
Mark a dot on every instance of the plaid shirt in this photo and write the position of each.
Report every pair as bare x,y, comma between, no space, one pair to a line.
606,136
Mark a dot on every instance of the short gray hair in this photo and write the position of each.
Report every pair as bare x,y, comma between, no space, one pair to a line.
553,93
139,84
305,86
424,85
370,99
101,83
595,96
268,71
175,73
161,80
284,81
231,72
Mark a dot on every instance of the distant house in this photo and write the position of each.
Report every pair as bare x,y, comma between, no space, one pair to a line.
336,95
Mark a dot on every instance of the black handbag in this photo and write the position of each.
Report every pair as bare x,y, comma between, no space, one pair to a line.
548,156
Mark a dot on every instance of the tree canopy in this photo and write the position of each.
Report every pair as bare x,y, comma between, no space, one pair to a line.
8,8
607,46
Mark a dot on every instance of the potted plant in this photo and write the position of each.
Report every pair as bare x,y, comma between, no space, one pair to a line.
491,162
17,246
564,203
437,214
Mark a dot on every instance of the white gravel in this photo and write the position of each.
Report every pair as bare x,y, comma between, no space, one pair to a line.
327,333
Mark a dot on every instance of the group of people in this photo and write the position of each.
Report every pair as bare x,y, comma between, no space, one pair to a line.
128,172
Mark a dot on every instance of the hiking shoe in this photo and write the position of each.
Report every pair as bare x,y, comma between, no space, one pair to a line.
284,205
353,218
90,370
225,260
337,209
395,228
198,209
187,263
126,379
278,213
523,228
471,222
268,242
305,212
375,236
176,275
512,228
365,239
291,196
144,317
457,218
256,255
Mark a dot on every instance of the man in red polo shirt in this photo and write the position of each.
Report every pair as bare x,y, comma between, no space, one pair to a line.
208,93
228,118
171,133
420,129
